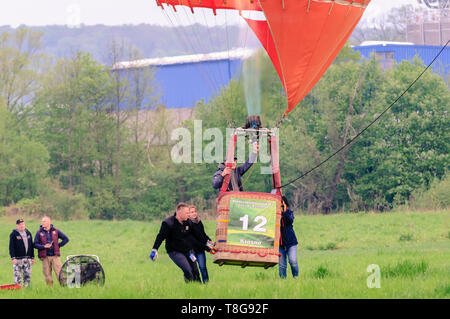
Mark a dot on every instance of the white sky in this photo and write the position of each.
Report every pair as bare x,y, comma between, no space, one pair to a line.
114,12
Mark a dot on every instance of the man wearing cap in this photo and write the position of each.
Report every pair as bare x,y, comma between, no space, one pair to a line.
236,172
47,243
21,251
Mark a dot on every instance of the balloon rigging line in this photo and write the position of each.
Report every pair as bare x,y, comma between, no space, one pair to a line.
186,41
371,123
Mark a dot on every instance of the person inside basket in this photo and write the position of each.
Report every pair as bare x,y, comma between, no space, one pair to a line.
288,241
198,230
48,245
21,251
235,171
180,243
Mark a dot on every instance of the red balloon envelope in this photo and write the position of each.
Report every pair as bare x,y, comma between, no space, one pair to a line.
301,37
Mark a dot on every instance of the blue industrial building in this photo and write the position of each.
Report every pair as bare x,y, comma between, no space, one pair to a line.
391,53
182,81
185,80
184,84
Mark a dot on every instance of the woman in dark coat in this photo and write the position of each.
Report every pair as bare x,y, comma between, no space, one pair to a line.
288,241
198,232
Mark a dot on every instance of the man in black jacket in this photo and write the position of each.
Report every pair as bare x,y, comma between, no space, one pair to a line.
180,243
21,251
235,171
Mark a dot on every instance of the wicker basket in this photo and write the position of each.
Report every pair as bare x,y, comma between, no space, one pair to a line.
231,254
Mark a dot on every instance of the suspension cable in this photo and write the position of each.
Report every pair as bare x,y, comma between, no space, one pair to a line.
371,123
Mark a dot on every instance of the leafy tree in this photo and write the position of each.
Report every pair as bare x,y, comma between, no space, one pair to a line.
335,111
72,119
23,162
21,66
410,146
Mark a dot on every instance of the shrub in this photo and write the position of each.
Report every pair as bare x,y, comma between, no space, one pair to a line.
28,207
436,197
321,272
60,203
405,268
55,202
158,203
104,205
406,237
442,290
328,246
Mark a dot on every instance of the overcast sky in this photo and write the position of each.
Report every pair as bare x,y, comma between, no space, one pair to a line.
114,12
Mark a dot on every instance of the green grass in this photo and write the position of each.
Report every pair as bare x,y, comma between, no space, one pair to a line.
333,255
406,237
406,268
321,272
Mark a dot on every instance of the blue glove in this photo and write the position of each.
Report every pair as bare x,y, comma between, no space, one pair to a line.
154,255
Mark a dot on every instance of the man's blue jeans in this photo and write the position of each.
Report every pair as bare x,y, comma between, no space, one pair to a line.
291,254
201,260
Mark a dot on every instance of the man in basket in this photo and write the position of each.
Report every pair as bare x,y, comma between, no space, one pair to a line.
235,171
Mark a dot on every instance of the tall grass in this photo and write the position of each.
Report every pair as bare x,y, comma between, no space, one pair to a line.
405,268
409,269
322,271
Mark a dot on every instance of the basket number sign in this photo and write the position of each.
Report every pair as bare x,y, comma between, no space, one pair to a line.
257,228
251,222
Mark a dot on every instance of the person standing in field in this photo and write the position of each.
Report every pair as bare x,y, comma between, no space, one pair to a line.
198,230
47,243
21,251
180,243
288,241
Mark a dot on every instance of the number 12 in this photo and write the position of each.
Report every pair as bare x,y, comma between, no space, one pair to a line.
257,228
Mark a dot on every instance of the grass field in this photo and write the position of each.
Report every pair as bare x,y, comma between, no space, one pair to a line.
411,249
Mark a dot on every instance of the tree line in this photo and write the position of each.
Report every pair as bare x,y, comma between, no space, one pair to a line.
80,140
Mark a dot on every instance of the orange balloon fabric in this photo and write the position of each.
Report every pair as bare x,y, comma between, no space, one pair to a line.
301,37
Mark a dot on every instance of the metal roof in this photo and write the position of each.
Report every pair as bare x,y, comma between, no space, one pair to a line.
234,54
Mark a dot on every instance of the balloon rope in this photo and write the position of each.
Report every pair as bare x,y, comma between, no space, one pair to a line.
215,48
186,42
371,123
207,63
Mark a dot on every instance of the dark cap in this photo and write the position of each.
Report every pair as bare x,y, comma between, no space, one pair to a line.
19,221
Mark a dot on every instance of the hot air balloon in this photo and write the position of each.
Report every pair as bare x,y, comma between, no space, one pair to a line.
301,38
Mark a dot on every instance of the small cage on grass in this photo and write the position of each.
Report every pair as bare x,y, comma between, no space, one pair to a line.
79,270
